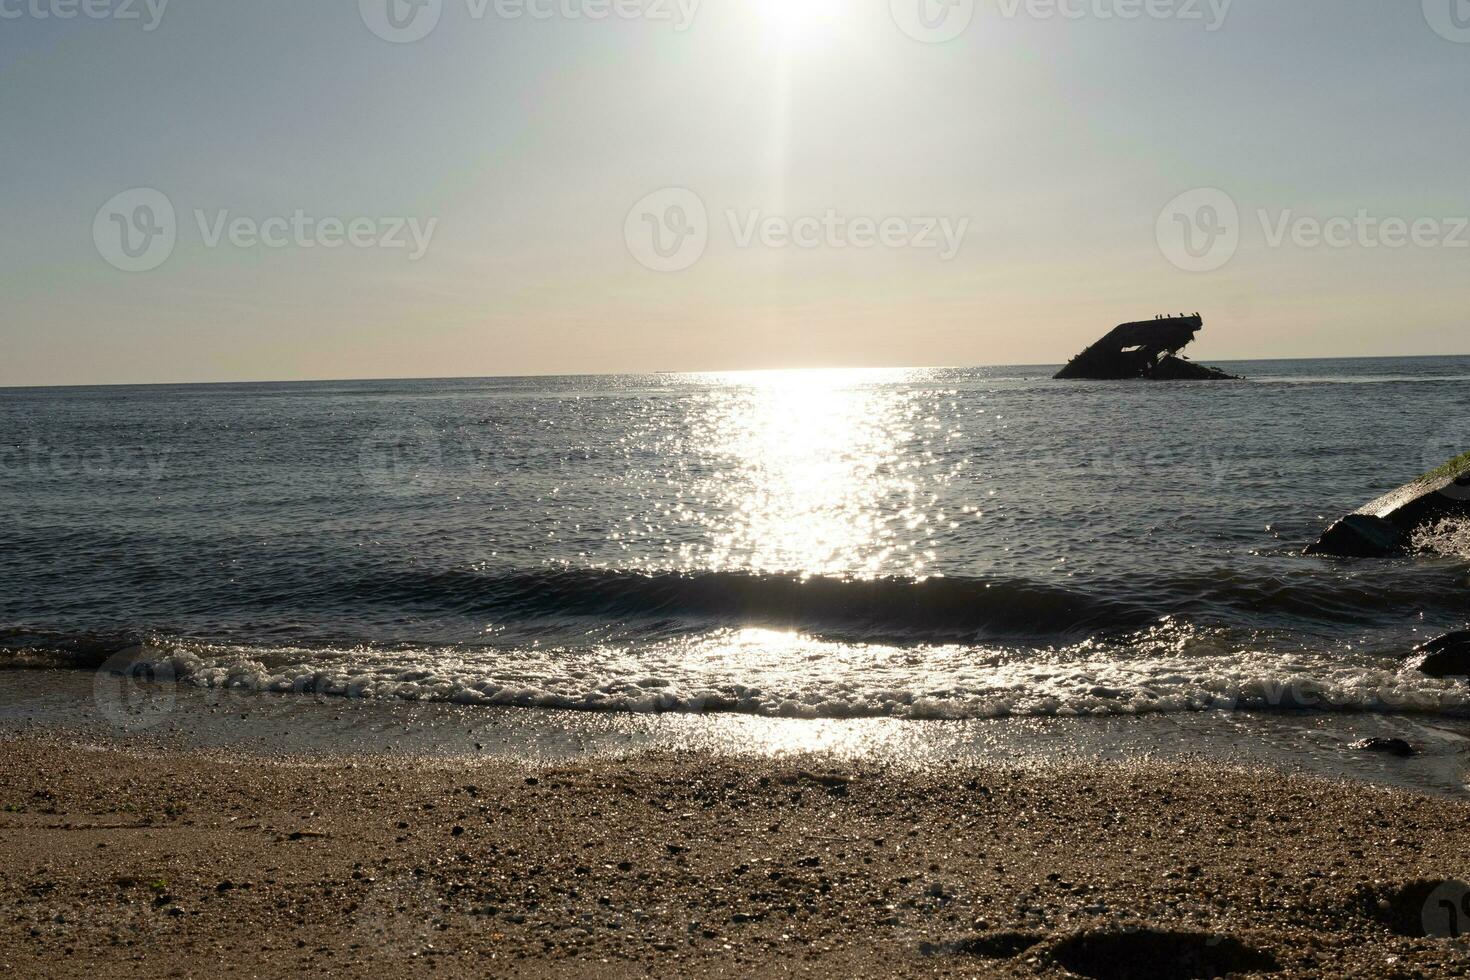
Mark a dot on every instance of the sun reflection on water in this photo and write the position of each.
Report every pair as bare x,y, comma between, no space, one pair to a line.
814,473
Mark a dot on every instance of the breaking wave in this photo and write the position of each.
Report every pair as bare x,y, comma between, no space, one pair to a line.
1171,668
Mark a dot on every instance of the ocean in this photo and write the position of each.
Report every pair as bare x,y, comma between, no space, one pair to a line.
924,544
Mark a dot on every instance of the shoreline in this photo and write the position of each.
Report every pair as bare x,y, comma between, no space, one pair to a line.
96,707
144,860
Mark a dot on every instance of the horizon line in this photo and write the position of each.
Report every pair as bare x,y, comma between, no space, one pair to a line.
638,374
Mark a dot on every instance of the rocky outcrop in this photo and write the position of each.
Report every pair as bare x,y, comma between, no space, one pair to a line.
1145,349
1445,656
1385,525
1388,746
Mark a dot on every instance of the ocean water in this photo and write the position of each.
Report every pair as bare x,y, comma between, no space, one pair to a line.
900,544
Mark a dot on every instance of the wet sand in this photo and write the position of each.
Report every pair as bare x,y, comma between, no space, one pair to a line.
128,861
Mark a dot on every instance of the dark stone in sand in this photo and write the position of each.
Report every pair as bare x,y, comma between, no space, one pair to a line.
1000,945
1384,526
1446,656
1390,746
1145,349
1159,954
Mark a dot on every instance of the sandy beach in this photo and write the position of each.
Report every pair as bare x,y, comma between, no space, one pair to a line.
120,860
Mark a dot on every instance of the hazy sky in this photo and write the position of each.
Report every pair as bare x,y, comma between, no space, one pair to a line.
1047,145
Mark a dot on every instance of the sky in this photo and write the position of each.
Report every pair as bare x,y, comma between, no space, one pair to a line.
216,190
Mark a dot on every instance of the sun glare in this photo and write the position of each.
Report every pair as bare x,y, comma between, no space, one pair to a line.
799,23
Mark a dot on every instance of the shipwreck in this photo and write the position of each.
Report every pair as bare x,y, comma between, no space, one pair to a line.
1146,349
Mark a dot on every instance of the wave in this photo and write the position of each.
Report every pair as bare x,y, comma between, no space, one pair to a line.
893,608
1172,668
905,610
1327,595
326,603
22,648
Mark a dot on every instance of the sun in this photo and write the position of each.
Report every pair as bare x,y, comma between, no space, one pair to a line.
798,21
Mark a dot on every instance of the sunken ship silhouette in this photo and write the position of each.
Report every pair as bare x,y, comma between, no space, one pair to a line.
1146,349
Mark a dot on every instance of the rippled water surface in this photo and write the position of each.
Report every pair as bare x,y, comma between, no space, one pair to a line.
911,543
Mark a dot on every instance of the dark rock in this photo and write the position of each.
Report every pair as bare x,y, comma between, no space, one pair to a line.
991,945
1159,954
1360,536
1145,349
1446,656
1384,526
1390,746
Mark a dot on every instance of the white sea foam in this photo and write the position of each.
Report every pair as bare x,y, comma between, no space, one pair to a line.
765,673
